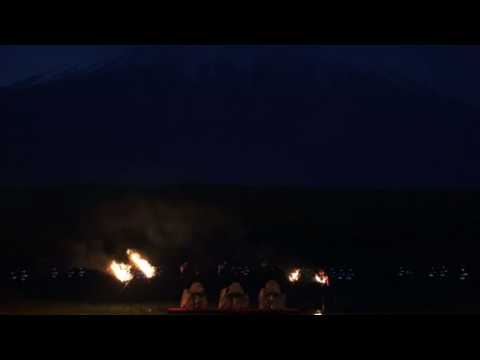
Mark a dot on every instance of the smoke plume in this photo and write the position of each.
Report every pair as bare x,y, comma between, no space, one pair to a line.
162,229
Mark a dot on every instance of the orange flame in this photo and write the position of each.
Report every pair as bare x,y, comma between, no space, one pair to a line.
142,264
294,276
121,271
321,279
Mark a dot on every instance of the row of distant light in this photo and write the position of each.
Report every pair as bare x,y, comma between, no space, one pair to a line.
54,274
436,272
341,274
338,274
23,274
243,270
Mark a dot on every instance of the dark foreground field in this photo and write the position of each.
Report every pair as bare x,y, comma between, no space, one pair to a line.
39,307
149,309
78,308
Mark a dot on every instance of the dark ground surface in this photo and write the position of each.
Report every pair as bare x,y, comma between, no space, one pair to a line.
39,307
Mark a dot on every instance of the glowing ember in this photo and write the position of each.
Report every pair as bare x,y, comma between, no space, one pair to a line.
142,264
294,276
121,271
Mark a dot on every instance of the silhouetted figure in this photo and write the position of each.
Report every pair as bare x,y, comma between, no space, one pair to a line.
233,298
194,298
271,297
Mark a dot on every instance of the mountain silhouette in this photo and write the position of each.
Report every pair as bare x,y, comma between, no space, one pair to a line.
195,114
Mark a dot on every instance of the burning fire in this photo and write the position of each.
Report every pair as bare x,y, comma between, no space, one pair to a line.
321,279
294,276
121,271
142,264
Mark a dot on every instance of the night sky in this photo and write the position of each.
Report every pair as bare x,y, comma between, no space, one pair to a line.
135,126
452,70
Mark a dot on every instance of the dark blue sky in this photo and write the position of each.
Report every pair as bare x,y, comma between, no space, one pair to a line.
451,70
20,61
361,115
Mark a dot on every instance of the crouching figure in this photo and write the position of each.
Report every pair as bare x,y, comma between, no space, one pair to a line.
271,297
233,298
194,298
